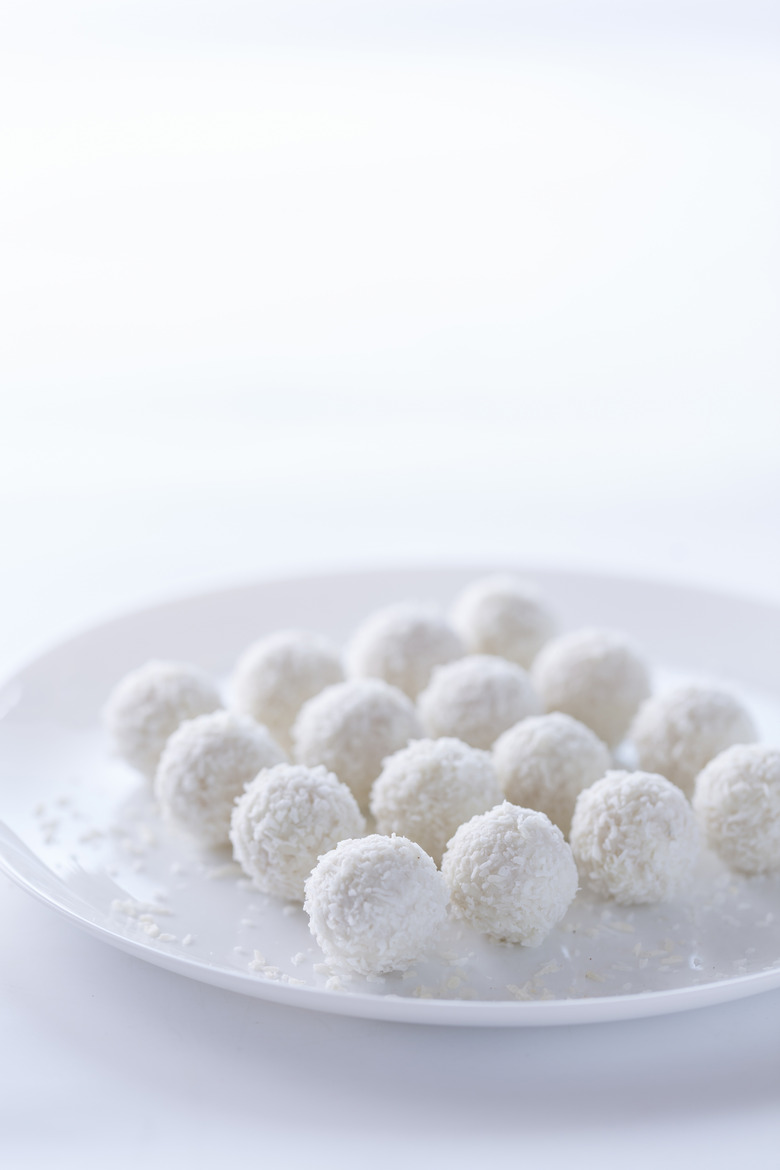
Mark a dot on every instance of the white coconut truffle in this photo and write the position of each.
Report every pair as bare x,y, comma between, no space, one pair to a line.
678,732
429,788
276,675
634,837
351,727
476,698
205,765
375,904
511,874
289,816
737,801
544,762
402,644
596,676
147,706
505,616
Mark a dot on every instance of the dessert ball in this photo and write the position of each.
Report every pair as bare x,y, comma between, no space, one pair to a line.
287,817
351,727
277,674
503,615
634,837
596,676
544,762
375,904
147,706
737,801
402,644
678,732
476,698
510,874
430,787
204,767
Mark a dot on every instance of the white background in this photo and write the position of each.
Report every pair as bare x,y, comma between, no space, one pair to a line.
294,286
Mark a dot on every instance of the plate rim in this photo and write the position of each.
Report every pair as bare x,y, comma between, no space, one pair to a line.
86,629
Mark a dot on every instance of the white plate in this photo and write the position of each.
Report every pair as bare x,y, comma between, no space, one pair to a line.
82,835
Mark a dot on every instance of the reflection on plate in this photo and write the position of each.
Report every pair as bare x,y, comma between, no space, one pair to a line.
81,832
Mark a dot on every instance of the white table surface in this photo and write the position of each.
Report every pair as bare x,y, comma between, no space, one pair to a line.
286,293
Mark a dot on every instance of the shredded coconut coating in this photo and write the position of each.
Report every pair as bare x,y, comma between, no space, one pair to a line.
351,728
276,675
147,706
476,699
634,837
375,904
511,874
205,766
402,644
429,788
678,732
737,801
505,616
544,762
289,816
596,676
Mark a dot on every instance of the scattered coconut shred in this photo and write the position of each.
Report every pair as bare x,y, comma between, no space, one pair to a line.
470,821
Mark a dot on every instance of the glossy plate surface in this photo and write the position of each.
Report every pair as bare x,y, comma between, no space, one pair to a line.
80,830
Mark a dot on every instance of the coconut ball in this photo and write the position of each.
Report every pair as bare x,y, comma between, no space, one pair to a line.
737,800
510,874
204,767
596,676
275,676
147,706
375,904
503,615
678,732
634,837
545,761
287,817
402,644
429,788
351,727
476,698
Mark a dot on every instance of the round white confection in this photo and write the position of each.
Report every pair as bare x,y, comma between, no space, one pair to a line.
429,788
634,837
147,706
595,676
476,698
375,904
276,675
402,644
289,816
205,765
678,732
505,616
737,800
351,728
510,874
545,761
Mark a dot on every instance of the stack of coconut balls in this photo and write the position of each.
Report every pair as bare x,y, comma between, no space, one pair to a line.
480,747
